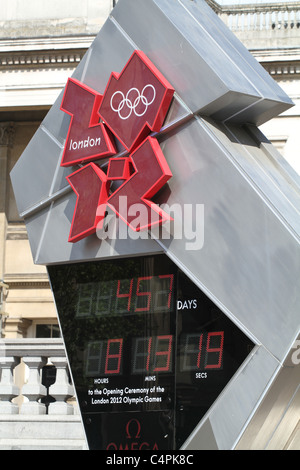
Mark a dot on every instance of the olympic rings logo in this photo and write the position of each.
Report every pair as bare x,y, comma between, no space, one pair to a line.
130,102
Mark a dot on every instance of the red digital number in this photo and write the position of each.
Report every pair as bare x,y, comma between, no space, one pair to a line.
171,277
142,355
112,356
152,354
143,294
148,354
211,344
127,294
218,350
166,354
200,350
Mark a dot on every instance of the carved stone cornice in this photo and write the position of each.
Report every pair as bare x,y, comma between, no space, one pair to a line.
40,59
27,281
16,232
283,69
215,6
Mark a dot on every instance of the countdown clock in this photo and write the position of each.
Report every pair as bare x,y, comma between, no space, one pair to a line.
149,352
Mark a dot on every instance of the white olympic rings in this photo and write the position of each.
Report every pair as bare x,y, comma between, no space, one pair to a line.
132,106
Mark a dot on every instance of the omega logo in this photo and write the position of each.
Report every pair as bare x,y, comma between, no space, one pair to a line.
133,439
138,428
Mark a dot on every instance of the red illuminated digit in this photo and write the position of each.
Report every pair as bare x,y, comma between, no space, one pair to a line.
126,294
113,356
165,354
148,354
216,350
141,355
193,352
200,350
143,294
171,278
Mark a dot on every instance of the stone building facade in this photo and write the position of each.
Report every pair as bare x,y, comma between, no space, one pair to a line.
40,46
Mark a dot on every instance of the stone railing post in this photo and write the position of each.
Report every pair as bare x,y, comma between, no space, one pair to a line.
61,390
261,16
33,389
33,353
8,390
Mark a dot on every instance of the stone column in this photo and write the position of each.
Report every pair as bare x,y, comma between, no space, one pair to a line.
7,132
16,327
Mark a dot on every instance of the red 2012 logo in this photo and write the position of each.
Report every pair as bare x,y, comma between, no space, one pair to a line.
135,103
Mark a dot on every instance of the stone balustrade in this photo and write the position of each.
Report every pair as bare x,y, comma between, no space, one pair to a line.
262,16
22,364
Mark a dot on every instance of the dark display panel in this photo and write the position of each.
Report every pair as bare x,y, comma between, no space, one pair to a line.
148,351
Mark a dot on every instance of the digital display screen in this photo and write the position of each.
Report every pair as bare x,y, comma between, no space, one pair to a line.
126,296
145,345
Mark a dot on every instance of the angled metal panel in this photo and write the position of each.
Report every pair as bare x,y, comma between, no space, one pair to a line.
250,258
36,170
275,421
211,71
228,416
